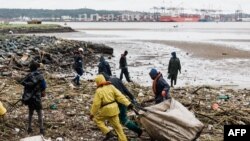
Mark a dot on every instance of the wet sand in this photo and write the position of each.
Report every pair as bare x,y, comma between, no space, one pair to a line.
207,50
233,40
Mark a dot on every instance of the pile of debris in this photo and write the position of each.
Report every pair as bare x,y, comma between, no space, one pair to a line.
213,106
66,112
56,54
66,109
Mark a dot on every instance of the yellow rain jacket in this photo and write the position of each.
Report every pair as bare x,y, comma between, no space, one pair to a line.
2,109
104,103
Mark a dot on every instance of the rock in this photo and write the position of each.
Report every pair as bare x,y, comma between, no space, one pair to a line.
6,73
59,139
241,123
17,130
141,94
57,54
210,127
71,86
35,138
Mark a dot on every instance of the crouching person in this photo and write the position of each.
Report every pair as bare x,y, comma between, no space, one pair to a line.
2,110
104,108
34,88
160,86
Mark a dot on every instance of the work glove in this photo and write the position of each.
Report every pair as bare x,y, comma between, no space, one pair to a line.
130,106
43,94
134,101
91,117
164,93
169,76
136,104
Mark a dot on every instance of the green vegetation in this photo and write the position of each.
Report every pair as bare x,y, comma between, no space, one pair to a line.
33,28
27,26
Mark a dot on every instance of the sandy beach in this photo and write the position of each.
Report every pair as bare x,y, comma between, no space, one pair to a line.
207,50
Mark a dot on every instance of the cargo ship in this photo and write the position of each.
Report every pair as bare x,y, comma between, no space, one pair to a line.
180,18
177,15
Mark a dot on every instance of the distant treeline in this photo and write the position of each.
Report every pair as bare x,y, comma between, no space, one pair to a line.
73,13
41,13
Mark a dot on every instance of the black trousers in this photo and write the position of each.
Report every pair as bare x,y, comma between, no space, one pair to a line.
126,73
173,79
40,117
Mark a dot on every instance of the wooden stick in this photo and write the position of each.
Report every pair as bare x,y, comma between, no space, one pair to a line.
206,116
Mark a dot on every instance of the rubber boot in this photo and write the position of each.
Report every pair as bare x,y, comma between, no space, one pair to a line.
109,135
42,132
140,133
29,130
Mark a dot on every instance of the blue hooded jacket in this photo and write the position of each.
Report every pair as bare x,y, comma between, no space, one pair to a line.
104,67
161,85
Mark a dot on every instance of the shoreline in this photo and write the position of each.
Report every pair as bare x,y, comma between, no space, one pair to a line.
206,50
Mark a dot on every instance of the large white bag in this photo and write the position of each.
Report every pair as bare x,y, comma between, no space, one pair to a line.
170,120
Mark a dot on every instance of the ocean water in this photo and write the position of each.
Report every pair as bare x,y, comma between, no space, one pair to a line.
144,55
233,34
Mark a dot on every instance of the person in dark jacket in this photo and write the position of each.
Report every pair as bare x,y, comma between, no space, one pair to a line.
160,86
173,67
34,86
104,67
123,109
124,67
78,66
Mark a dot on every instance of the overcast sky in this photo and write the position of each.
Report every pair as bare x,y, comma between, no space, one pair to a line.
138,5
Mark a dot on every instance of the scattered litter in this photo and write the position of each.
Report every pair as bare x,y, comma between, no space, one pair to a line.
35,138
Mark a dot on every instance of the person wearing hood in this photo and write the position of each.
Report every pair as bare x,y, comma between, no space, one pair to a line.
104,67
78,65
173,67
2,110
34,88
123,109
124,66
160,86
105,108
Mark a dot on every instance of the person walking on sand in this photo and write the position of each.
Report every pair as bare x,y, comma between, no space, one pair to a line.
105,108
160,87
34,88
124,67
78,65
104,67
173,67
123,109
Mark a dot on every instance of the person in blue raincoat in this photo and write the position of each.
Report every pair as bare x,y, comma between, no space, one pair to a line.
34,89
78,66
160,86
104,67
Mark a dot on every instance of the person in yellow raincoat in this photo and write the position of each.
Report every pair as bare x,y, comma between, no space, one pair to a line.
2,109
104,108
